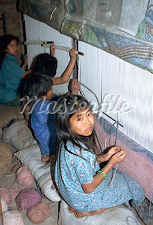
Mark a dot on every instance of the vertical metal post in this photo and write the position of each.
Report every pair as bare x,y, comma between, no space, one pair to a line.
75,71
4,23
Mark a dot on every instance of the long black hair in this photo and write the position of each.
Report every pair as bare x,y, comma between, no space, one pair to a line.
34,87
45,63
36,84
66,107
5,40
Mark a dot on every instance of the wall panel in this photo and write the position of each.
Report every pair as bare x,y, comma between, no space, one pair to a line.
38,31
124,90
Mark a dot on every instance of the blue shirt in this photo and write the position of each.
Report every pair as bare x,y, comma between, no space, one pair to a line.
42,124
71,171
10,77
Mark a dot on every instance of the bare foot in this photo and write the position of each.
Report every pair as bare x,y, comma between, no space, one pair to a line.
45,158
83,214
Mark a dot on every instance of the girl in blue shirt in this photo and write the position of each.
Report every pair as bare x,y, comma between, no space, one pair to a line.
84,186
10,72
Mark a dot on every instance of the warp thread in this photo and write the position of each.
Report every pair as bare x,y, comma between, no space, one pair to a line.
39,213
27,198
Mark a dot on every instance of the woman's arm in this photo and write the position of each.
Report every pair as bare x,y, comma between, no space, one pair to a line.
26,73
24,67
98,178
25,63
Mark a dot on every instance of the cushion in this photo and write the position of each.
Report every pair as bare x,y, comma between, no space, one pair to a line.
118,215
8,113
31,157
5,158
18,135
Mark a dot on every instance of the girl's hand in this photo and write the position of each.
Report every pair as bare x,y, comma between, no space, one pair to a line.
73,56
112,151
105,157
75,87
118,157
52,49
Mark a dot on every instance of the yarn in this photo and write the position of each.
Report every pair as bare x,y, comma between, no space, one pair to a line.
4,205
12,218
14,192
27,199
10,193
30,157
39,213
24,176
6,194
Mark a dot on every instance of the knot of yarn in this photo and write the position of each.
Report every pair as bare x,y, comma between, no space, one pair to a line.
27,199
6,194
39,213
24,176
10,193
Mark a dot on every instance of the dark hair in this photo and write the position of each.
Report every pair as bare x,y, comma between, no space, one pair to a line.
45,63
4,42
36,84
66,107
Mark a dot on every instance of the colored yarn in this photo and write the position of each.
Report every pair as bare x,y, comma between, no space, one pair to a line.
39,213
6,194
10,193
12,218
27,199
4,205
24,176
14,192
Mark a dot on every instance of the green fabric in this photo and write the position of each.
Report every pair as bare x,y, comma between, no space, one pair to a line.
10,77
15,102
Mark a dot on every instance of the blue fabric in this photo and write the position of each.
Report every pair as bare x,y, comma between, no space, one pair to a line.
42,124
10,77
76,171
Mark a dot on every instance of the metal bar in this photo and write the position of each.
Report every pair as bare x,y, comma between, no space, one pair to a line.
46,44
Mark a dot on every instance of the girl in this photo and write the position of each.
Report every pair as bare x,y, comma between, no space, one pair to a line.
38,89
10,72
46,63
85,187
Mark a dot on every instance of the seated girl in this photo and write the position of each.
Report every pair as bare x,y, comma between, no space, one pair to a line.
85,187
10,71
